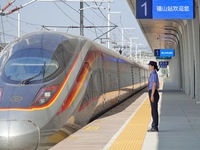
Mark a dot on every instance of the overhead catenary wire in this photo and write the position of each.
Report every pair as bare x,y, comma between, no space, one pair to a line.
97,15
28,23
113,23
37,26
68,16
10,35
13,25
105,18
103,33
106,33
15,9
102,16
65,13
77,26
83,15
125,35
21,6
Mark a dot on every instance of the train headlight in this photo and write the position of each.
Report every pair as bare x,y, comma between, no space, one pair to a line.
45,95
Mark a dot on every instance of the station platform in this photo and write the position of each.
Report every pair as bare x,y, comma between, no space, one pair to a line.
125,126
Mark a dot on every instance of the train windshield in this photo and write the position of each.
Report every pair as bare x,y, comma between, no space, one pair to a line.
30,65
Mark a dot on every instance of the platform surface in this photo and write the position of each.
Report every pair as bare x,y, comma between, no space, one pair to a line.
179,123
124,127
102,132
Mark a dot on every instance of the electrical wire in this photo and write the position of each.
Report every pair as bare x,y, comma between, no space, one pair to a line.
102,16
105,18
28,23
11,24
65,13
10,35
37,26
97,15
14,27
125,35
83,15
117,24
69,16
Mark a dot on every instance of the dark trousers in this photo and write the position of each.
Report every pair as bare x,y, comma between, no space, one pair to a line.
154,108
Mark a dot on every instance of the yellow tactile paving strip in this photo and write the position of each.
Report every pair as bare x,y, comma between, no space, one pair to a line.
132,137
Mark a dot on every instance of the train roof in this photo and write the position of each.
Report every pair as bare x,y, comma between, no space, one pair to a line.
51,39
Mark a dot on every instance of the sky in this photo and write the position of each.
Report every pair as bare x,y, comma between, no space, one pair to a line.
39,14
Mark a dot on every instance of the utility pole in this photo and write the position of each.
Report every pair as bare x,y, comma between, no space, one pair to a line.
122,37
108,36
19,24
2,13
131,44
81,19
122,30
136,46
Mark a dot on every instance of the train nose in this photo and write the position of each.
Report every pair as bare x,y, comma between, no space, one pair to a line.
18,135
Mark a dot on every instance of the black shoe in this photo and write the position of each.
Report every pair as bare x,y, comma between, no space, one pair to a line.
153,130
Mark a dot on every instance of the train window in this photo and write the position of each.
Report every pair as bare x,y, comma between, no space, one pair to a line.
31,65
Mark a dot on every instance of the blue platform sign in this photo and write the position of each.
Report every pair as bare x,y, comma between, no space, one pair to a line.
165,9
173,9
167,53
160,57
163,64
164,52
157,52
144,9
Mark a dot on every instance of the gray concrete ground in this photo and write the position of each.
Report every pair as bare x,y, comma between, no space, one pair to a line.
100,134
179,123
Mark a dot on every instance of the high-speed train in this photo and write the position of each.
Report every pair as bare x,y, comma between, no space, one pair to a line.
53,83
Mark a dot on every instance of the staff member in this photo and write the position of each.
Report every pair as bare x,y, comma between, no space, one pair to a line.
153,86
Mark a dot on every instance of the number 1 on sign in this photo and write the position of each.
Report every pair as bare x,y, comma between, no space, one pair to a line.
145,8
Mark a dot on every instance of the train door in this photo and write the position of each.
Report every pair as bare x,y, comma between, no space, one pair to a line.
136,78
98,94
125,79
97,86
89,87
132,77
110,80
103,91
118,77
140,77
